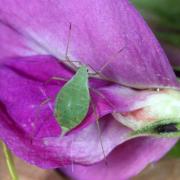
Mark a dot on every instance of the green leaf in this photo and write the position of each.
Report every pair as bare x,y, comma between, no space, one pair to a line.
175,151
9,161
72,102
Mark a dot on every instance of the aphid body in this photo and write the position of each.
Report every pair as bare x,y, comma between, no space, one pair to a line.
72,102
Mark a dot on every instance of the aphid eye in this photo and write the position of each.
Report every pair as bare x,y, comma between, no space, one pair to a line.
166,128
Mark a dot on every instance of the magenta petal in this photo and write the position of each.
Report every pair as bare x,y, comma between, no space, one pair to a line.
99,30
51,152
26,86
23,92
125,99
12,43
125,161
29,127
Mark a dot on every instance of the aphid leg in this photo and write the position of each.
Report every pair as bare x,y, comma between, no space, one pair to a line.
75,67
101,95
72,161
113,58
55,78
38,110
99,72
99,133
98,75
36,115
45,102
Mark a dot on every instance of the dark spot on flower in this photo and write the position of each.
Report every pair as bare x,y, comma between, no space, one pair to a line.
166,128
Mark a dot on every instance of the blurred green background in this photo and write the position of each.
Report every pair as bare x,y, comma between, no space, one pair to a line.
164,17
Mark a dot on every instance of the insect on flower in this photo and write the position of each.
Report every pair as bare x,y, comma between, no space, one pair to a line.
73,100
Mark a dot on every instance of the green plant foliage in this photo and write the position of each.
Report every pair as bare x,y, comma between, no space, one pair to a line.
165,16
175,151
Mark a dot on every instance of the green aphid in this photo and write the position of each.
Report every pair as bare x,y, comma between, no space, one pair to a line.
162,128
72,102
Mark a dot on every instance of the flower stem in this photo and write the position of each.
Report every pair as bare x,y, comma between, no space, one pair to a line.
9,162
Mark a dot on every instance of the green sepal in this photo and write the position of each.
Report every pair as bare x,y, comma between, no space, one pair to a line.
154,129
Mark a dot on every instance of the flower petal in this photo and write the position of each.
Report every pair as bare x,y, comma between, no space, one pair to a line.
23,93
31,103
126,161
12,42
99,30
51,152
28,124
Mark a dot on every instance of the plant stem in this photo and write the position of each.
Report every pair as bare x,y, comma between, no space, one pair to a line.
9,162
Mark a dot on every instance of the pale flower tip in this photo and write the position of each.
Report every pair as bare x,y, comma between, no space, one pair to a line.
159,115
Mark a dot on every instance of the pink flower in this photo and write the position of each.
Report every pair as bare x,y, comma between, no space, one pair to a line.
33,42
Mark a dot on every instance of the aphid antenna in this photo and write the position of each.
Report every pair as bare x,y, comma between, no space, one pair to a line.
72,66
67,59
113,58
68,41
67,49
99,72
